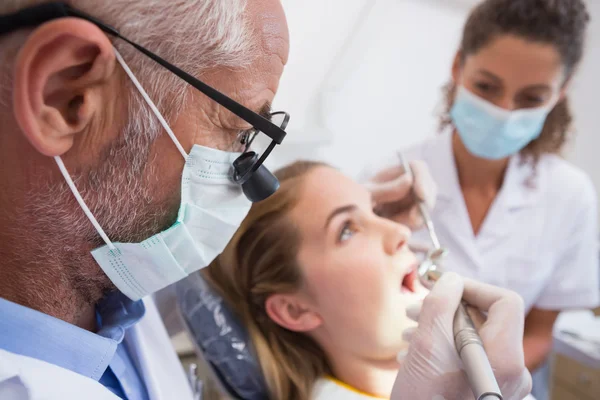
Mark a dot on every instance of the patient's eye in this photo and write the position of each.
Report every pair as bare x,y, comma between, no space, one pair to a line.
348,230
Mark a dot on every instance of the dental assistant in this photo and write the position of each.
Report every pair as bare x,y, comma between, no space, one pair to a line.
511,211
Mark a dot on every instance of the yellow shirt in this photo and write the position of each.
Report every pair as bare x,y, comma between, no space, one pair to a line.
333,389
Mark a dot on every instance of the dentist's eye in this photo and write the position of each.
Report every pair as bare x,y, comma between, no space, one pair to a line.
346,232
247,137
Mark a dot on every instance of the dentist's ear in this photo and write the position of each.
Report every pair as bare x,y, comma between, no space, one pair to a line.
60,73
290,312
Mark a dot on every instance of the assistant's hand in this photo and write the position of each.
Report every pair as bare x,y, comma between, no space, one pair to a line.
431,369
392,193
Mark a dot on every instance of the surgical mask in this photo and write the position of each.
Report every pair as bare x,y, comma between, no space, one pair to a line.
212,207
491,132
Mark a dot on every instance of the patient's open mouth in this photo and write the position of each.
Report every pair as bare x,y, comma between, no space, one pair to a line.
410,279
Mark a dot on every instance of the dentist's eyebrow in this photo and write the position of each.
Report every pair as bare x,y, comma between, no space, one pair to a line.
265,110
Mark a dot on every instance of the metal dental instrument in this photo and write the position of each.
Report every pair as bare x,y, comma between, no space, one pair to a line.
466,339
422,207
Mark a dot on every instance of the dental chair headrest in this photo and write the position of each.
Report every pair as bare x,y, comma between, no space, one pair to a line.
221,339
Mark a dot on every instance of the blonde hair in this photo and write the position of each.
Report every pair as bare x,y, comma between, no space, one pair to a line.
259,261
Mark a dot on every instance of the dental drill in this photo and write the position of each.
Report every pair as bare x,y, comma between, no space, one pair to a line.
466,339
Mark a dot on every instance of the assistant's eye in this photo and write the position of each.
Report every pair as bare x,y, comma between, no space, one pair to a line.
348,230
484,87
534,100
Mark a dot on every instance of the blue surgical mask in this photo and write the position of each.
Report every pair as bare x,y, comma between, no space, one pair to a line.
491,132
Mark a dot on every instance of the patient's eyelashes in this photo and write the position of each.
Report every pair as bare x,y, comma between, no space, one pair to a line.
348,230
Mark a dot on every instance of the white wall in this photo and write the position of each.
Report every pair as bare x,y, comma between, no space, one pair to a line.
585,98
365,75
318,32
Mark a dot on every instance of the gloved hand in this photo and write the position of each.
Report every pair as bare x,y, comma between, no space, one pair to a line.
392,193
431,368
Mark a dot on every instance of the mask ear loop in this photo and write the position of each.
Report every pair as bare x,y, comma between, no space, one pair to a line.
82,204
69,180
151,104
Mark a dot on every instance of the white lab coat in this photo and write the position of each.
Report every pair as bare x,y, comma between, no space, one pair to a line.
24,378
540,241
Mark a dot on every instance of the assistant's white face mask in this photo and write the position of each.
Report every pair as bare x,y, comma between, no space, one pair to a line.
212,207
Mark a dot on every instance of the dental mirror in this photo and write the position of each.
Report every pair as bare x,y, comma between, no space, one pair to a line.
430,270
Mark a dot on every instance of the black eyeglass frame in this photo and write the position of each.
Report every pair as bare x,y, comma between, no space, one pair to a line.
42,13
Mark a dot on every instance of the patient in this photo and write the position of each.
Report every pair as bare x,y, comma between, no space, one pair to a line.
322,284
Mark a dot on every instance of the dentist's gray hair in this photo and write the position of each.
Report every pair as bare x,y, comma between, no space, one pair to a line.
193,34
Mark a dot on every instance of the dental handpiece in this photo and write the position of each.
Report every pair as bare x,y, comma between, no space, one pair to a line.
466,339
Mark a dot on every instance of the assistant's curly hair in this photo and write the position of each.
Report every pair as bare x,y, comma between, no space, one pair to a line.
562,23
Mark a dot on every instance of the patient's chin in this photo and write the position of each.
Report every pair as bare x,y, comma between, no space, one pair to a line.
393,340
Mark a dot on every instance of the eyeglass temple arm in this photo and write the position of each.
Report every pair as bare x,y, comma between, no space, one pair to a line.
42,13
